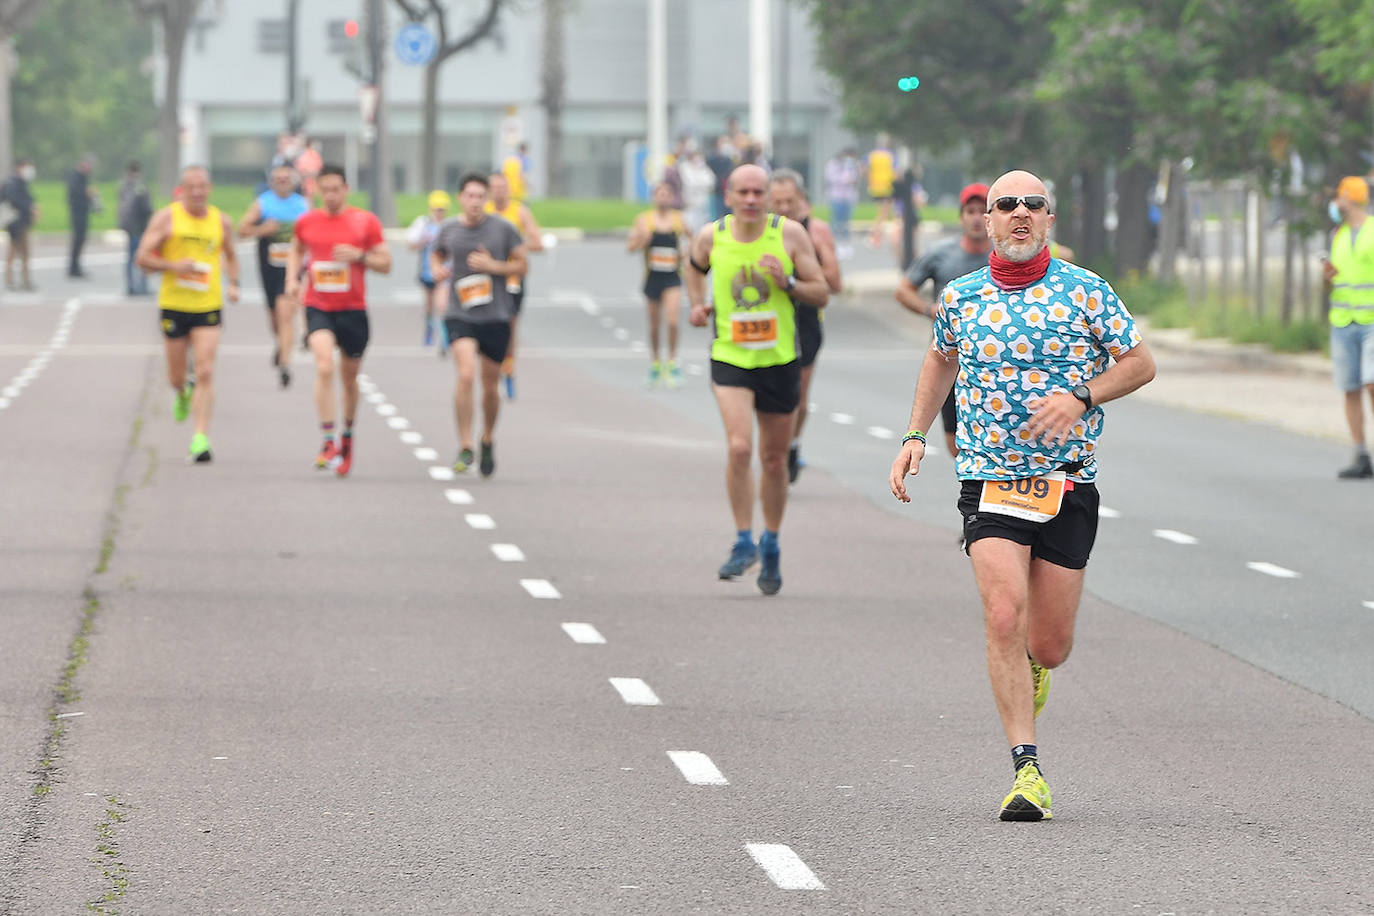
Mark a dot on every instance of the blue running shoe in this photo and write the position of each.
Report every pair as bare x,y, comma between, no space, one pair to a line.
770,571
742,556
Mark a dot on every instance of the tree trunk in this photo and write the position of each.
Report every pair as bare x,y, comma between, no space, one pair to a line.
1133,242
7,58
1094,199
176,22
1171,221
552,77
429,148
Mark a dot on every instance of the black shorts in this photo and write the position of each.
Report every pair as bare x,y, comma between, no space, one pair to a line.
493,337
519,297
176,325
658,281
427,284
949,415
349,326
809,333
1065,540
777,389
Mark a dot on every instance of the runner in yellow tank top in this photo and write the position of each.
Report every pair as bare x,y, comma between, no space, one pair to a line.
754,371
192,244
881,169
505,205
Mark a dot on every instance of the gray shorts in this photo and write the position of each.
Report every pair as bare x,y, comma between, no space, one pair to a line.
1352,356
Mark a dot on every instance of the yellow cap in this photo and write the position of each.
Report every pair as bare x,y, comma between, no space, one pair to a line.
1353,188
439,200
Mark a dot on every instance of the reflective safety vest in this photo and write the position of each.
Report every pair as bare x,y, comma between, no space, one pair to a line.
1352,289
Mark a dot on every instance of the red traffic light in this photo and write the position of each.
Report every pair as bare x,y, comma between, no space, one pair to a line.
351,28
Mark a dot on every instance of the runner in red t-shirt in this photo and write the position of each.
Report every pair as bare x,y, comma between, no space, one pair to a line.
335,245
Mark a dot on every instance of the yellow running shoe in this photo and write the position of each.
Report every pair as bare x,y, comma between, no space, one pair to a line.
1042,686
181,407
1029,799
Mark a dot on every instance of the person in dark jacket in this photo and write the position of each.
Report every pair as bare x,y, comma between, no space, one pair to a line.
16,195
135,209
80,199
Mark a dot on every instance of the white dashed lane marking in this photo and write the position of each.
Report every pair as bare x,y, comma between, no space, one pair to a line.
634,691
584,633
441,473
1104,512
508,553
540,588
843,419
457,497
784,866
1369,604
426,454
697,768
387,410
398,422
412,438
480,521
880,432
1177,537
1270,569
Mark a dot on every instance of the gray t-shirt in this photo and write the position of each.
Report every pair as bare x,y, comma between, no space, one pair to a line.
477,297
943,263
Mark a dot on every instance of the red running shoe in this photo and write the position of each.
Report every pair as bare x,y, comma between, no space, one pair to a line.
326,456
344,462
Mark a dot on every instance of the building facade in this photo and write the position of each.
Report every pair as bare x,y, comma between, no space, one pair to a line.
234,88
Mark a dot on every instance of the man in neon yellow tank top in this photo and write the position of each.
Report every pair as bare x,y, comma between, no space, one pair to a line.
503,203
192,244
758,264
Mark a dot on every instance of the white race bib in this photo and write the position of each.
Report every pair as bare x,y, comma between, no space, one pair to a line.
754,330
277,253
663,259
196,279
474,290
330,276
1036,499
513,285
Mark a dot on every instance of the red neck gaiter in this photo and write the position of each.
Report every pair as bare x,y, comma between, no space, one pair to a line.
1018,274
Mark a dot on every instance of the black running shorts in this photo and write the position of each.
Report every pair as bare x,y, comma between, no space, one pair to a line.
493,337
809,334
656,282
1065,540
777,389
349,327
176,325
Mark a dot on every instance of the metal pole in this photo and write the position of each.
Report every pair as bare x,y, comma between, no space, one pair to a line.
784,146
658,89
293,106
374,71
760,75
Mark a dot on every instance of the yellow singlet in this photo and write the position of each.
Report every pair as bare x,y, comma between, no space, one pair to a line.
201,239
510,214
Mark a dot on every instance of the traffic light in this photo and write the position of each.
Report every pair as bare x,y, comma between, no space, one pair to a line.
351,28
908,83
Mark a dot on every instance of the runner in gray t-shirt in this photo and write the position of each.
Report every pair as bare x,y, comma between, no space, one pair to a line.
946,262
475,255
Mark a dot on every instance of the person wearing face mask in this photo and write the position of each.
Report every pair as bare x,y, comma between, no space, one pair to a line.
1028,342
17,195
1349,277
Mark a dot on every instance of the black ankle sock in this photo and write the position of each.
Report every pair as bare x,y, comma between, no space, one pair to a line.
1023,755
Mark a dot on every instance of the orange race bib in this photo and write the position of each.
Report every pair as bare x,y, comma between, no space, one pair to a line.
1035,499
754,330
330,277
474,290
277,253
663,259
196,279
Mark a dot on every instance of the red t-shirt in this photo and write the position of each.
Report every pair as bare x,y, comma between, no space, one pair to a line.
335,286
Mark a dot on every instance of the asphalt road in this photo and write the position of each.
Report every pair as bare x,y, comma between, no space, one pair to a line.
250,687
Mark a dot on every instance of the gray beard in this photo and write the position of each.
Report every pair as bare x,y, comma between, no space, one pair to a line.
1019,252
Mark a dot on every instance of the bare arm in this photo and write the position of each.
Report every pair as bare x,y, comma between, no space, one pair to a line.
909,295
696,280
937,377
248,226
811,287
1054,416
378,258
529,227
639,234
159,229
824,241
295,258
231,258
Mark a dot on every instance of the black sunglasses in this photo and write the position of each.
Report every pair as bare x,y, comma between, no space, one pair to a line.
1033,202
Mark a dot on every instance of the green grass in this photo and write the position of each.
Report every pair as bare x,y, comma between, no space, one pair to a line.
1167,306
589,215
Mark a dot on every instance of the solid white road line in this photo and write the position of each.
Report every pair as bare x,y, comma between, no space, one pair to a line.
697,768
540,588
426,454
439,472
1178,537
508,553
634,691
480,521
1269,569
784,866
458,497
584,633
843,419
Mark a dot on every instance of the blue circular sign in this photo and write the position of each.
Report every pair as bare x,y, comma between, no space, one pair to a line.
415,45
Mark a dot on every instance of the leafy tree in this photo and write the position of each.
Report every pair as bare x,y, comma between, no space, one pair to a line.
175,18
82,86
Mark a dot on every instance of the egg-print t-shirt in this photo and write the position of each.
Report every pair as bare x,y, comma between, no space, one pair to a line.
1017,345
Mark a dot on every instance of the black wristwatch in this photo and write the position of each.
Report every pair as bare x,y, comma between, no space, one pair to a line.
1084,395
